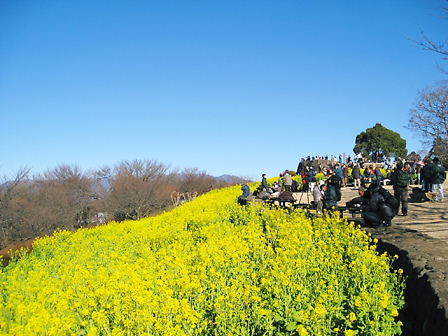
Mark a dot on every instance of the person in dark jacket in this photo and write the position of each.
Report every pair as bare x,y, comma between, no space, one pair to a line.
424,176
242,200
356,174
332,191
311,178
437,176
375,210
400,179
330,197
301,167
264,184
246,190
334,182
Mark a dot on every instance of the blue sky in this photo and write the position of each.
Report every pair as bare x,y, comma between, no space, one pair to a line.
230,87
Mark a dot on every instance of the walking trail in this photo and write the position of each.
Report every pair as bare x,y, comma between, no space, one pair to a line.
421,241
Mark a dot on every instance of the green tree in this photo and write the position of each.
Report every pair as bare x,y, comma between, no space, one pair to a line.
380,141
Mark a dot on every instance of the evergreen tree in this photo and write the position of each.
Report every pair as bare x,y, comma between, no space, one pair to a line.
378,142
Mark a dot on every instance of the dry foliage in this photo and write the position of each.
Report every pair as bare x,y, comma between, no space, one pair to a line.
68,198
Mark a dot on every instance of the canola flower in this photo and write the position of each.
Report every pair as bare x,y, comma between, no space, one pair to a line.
209,267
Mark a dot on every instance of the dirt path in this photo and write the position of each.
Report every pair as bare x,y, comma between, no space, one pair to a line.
429,218
421,241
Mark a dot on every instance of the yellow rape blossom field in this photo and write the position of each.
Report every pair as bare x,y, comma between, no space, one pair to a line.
209,267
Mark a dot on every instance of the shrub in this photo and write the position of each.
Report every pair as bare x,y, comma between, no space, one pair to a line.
209,267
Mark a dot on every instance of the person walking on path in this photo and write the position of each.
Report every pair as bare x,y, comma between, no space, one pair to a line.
400,179
437,176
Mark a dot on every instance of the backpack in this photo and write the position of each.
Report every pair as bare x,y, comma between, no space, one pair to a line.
286,196
389,199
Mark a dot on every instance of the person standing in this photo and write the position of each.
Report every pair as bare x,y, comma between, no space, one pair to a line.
424,176
330,201
345,175
400,179
437,176
332,193
301,167
368,173
356,174
378,175
264,184
338,170
318,197
288,181
312,178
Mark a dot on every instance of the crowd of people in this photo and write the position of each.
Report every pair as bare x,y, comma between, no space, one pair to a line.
324,178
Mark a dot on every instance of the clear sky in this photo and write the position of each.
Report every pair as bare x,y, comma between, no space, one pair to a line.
230,87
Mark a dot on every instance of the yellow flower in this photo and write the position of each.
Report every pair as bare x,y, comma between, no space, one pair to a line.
301,329
351,317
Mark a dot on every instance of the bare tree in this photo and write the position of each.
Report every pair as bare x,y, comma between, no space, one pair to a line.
195,180
68,198
138,189
440,48
67,192
429,118
10,212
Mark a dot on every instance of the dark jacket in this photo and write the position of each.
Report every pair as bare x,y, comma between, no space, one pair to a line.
331,197
264,184
246,190
375,200
424,173
368,172
356,173
400,178
339,172
312,176
436,173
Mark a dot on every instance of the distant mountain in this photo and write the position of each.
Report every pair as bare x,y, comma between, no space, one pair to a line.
6,185
231,179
